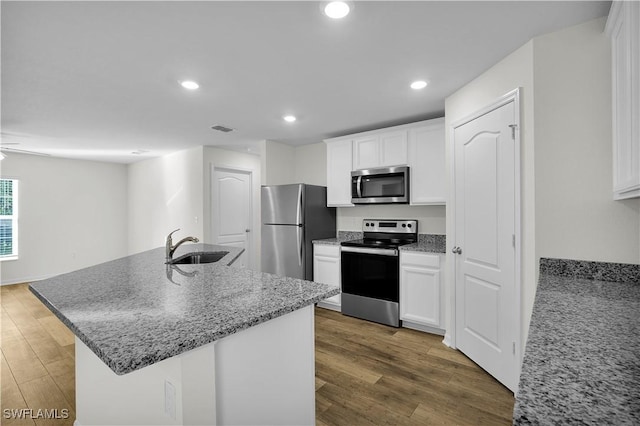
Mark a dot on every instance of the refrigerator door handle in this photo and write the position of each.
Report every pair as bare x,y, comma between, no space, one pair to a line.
299,209
300,245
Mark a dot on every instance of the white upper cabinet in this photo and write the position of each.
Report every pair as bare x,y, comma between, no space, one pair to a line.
623,26
421,146
339,163
366,152
380,150
427,163
393,149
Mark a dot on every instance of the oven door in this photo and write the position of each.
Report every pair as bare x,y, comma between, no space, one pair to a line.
372,273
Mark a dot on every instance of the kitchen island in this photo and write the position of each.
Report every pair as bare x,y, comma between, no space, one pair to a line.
188,344
582,359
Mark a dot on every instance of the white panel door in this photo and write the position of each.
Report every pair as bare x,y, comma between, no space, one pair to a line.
486,318
393,149
366,152
231,211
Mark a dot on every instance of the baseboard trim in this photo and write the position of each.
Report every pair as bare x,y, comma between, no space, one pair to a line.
329,306
424,328
447,340
26,280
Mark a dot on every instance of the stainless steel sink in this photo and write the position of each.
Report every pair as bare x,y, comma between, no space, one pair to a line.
199,257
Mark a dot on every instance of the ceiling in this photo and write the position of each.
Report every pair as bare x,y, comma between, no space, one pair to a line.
99,80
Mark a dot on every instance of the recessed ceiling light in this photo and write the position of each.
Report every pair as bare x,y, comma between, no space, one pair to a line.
289,118
337,9
417,85
189,84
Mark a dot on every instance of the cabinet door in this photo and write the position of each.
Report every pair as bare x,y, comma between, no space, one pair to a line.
420,292
366,152
393,149
427,163
326,269
339,156
624,28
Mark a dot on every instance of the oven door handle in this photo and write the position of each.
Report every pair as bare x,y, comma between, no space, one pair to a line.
375,251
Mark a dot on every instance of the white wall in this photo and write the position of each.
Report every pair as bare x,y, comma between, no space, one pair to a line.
165,193
311,164
72,214
516,70
431,219
576,217
278,163
239,161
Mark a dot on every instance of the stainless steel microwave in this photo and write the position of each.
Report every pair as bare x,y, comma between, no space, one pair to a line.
385,185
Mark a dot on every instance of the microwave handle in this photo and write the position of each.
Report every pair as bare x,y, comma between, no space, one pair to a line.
359,187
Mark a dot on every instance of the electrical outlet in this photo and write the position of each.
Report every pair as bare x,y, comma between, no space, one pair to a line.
169,400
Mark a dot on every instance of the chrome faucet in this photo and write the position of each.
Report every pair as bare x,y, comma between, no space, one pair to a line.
170,248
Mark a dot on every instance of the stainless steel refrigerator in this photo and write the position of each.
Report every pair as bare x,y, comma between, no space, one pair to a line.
292,217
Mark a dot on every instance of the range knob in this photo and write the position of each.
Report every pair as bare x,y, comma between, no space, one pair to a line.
409,225
404,225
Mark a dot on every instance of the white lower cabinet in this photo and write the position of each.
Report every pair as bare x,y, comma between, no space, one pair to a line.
326,270
421,295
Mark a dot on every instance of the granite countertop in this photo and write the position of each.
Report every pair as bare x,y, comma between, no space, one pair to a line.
582,358
429,243
135,311
342,237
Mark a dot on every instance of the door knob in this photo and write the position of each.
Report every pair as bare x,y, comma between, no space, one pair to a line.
456,250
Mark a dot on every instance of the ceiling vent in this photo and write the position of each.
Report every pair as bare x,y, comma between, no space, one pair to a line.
222,128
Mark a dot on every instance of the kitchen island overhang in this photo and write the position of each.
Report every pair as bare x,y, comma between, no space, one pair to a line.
142,318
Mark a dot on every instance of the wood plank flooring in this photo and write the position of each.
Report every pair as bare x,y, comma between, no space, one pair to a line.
38,361
371,374
366,373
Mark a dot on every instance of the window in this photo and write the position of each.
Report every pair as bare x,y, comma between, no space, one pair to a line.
8,219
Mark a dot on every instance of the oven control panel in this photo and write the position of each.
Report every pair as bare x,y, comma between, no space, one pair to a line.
390,226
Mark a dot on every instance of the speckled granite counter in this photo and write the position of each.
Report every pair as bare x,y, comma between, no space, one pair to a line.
136,311
582,358
342,237
429,243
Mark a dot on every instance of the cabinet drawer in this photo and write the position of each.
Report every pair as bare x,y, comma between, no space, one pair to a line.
326,250
420,259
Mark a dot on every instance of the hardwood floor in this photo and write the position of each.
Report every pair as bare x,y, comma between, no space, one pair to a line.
38,361
366,373
371,374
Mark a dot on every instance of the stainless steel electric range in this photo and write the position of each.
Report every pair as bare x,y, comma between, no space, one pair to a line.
371,270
